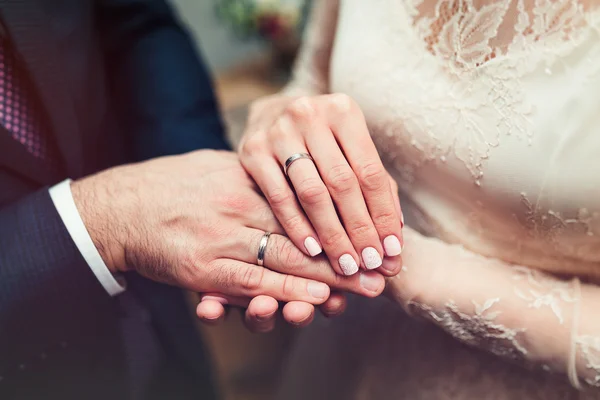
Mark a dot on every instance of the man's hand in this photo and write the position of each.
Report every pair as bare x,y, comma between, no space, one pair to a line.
260,315
195,221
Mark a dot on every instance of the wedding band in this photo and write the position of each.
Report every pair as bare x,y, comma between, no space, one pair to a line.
262,248
293,158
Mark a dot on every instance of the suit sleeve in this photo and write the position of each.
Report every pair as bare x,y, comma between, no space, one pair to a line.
159,85
47,292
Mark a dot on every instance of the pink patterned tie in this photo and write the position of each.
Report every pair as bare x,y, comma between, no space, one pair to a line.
20,115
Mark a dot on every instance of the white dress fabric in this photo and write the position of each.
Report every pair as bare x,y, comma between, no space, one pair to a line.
487,112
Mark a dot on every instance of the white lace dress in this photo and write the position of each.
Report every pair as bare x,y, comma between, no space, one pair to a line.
488,115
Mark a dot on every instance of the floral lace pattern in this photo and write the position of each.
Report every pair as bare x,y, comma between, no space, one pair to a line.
589,347
538,290
553,226
463,38
551,223
479,328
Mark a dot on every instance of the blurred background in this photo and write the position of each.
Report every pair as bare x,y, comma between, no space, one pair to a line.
249,46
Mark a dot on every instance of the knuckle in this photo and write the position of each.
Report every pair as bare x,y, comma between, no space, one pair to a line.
279,197
341,102
251,278
341,179
334,239
373,176
312,191
338,281
289,284
385,219
291,257
295,223
301,109
253,144
360,229
276,133
283,128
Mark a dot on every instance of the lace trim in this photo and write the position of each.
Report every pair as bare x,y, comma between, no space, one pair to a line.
478,330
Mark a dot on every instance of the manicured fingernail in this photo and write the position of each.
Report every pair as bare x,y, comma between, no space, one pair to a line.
392,246
317,290
312,246
221,300
348,264
371,258
370,281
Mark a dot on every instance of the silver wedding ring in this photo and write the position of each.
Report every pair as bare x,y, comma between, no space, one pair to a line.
293,158
262,248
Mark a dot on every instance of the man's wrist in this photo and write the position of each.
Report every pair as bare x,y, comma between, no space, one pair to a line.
97,220
62,197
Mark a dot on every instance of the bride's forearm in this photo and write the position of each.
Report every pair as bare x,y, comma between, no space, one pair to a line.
311,70
512,311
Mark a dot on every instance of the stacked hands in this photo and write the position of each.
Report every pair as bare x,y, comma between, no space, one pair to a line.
200,220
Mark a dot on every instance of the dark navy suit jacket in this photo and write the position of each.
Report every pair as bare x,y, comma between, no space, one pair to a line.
119,81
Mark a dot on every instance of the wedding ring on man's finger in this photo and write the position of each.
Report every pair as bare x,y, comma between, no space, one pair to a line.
262,249
293,158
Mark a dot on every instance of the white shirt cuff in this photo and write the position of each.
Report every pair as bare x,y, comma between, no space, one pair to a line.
62,197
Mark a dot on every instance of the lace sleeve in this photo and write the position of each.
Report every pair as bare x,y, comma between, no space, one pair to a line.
512,311
311,71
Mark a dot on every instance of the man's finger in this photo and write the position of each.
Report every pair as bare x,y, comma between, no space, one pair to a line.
261,314
334,306
298,313
236,278
211,311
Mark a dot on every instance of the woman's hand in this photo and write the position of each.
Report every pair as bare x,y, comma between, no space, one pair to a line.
344,202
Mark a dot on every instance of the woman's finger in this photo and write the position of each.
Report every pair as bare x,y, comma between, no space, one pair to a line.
269,177
350,129
346,192
312,191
